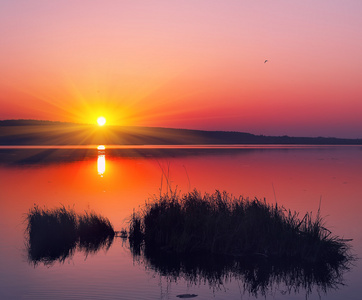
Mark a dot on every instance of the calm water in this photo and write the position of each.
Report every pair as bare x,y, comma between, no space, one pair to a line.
113,182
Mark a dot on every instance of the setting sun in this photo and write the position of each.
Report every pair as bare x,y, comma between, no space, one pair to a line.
101,121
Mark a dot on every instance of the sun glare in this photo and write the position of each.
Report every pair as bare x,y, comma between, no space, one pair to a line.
101,121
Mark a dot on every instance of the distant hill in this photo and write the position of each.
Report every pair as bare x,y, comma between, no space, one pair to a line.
34,132
25,122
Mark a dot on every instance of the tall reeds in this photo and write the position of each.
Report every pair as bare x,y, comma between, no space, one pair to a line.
54,234
220,224
214,237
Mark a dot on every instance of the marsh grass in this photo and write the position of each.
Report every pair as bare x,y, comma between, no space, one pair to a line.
55,234
216,238
220,224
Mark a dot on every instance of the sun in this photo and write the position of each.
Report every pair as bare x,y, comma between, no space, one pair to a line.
101,121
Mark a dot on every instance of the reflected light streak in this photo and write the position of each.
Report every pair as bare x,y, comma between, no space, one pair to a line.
101,161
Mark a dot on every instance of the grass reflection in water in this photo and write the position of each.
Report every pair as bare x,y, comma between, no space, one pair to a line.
214,238
210,239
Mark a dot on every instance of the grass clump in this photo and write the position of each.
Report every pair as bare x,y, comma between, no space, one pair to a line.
220,224
54,234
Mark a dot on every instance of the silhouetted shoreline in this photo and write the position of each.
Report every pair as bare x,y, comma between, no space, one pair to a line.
33,132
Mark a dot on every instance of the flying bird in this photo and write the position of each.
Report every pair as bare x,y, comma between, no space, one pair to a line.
265,61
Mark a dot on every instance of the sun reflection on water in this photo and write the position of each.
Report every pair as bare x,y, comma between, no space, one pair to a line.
101,161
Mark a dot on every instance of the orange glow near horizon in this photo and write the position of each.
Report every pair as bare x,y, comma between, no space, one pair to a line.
129,181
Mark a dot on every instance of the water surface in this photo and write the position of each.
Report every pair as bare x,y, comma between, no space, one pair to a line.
116,180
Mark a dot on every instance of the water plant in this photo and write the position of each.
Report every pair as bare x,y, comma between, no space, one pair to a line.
215,237
221,224
54,234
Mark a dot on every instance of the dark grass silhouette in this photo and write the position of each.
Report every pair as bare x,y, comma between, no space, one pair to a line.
214,238
94,232
220,224
54,235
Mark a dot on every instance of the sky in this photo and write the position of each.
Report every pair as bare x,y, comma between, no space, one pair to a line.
196,64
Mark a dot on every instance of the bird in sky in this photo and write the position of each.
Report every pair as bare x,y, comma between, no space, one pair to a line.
265,61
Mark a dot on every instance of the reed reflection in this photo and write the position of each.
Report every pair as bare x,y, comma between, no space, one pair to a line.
258,276
215,238
101,160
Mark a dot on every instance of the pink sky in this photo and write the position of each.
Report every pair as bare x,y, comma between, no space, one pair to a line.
186,64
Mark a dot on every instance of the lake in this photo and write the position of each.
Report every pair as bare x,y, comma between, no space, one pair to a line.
114,181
